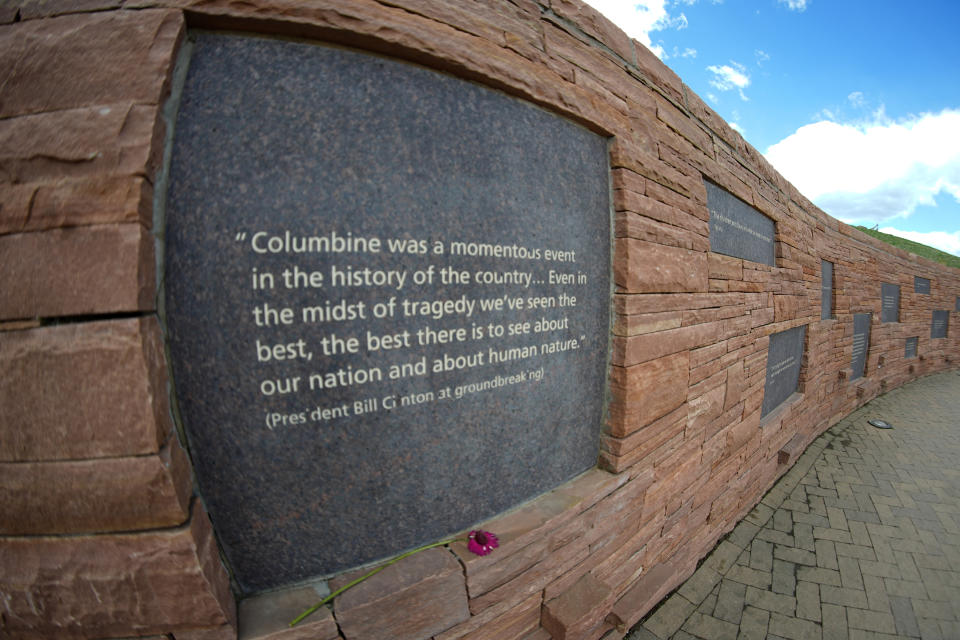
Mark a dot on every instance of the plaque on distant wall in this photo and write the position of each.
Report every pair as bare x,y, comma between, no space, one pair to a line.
387,292
956,304
826,290
861,342
738,229
890,302
921,285
784,357
910,351
938,325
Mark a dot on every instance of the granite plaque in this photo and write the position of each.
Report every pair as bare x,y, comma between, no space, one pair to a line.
737,229
784,357
910,351
861,342
921,285
387,294
938,325
956,304
826,290
890,302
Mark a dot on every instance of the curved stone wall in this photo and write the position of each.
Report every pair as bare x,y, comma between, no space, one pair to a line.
104,535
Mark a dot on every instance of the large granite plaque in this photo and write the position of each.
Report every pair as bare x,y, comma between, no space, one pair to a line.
890,302
938,324
861,342
826,290
956,304
910,350
737,229
921,285
387,292
784,357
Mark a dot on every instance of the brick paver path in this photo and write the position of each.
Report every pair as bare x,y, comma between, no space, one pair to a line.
860,539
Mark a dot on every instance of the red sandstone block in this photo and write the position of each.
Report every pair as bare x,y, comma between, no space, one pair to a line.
644,267
620,454
79,271
579,610
597,25
643,348
630,225
650,390
267,616
115,585
75,61
89,496
705,408
658,73
222,632
633,325
655,583
413,599
724,267
519,622
627,154
684,125
52,411
79,167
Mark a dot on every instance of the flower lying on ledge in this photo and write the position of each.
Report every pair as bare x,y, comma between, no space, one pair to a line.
478,542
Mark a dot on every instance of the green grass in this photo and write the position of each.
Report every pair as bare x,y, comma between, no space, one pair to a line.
915,247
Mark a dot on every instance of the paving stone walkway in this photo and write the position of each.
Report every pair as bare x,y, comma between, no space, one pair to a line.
860,539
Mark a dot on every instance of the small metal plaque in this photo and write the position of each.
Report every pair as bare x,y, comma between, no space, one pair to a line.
387,292
921,285
938,324
880,424
826,290
910,350
861,343
890,302
784,357
738,229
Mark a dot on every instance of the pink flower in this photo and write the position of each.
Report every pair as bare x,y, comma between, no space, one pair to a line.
481,542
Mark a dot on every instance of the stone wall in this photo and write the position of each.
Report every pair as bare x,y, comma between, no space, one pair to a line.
103,535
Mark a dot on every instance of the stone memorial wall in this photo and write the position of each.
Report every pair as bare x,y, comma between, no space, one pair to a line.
241,242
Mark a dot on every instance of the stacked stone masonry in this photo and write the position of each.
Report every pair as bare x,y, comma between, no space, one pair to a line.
103,535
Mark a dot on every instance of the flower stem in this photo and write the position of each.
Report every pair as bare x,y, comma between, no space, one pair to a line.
333,595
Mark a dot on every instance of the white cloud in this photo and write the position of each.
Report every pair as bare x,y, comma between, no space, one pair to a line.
795,5
737,128
639,18
762,56
730,76
875,170
943,240
856,99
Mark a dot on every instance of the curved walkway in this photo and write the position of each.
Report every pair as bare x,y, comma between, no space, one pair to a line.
860,539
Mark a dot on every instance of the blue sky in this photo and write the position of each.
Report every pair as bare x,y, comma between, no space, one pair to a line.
857,102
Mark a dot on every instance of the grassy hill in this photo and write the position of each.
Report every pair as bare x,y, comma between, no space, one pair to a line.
915,247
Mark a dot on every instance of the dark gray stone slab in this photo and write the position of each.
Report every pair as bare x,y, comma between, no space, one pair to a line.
910,350
921,285
956,306
938,324
784,358
890,302
826,290
738,229
861,343
345,399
